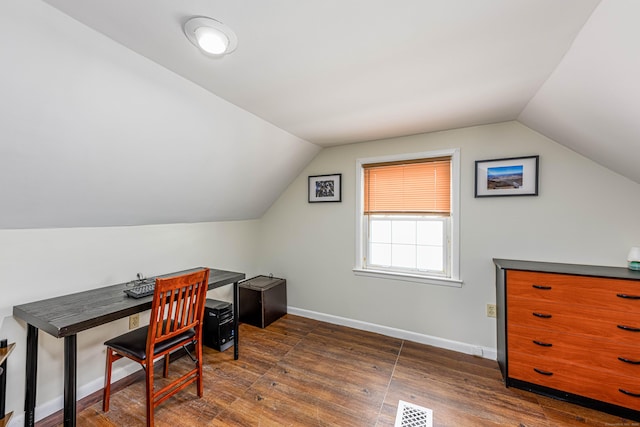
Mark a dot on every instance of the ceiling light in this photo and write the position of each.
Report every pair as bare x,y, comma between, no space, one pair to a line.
211,36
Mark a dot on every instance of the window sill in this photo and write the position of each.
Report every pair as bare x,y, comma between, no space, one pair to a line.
428,280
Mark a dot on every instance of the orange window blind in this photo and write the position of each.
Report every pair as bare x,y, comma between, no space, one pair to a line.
411,187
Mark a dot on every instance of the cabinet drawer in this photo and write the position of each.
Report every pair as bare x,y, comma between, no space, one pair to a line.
598,354
564,376
620,326
611,294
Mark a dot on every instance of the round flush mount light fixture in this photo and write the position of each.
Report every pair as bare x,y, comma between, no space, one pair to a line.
212,37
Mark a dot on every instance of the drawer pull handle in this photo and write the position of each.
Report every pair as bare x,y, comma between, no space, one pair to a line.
625,360
629,328
628,393
545,316
542,344
541,372
626,296
542,288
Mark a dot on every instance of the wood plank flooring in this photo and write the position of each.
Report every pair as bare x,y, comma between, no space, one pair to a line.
301,372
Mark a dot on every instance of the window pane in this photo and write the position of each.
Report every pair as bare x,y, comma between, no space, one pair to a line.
380,230
430,233
430,258
403,256
407,243
404,232
380,254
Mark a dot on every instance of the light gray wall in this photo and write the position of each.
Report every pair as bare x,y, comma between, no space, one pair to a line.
584,214
43,263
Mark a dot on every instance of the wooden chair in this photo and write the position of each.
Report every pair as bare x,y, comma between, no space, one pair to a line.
176,321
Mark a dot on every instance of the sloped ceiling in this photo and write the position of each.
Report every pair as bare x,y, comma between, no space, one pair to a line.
96,133
336,71
591,101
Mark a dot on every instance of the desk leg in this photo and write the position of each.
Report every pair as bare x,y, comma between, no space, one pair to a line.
3,388
70,368
31,376
236,321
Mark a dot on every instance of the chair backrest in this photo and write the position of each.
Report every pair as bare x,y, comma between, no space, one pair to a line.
178,305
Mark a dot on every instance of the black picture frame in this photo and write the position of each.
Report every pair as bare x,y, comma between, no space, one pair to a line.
325,188
512,176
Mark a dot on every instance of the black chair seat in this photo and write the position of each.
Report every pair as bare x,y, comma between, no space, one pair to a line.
135,342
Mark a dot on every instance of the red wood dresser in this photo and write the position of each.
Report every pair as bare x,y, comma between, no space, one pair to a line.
571,332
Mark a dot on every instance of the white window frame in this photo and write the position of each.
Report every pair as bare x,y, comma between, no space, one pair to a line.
453,279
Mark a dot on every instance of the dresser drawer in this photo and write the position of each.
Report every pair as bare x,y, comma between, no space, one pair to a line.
576,379
598,354
579,320
611,294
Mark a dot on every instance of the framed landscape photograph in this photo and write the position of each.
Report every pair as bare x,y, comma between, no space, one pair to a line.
515,176
325,188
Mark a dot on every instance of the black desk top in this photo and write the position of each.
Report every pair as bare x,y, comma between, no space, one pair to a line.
69,314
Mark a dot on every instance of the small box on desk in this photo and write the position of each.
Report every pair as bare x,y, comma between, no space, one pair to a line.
217,331
263,300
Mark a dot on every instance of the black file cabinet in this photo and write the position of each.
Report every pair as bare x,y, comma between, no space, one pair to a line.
218,330
263,300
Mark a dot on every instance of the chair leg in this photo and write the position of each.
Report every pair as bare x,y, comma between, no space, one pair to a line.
199,382
149,389
165,370
106,393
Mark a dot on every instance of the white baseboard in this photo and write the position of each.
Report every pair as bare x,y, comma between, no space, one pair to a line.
55,405
475,350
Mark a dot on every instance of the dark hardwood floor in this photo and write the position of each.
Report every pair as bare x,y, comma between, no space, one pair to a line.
301,372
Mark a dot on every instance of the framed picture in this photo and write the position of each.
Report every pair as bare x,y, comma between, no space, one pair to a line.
515,176
325,188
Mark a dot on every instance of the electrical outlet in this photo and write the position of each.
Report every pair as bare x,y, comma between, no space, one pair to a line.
134,321
491,310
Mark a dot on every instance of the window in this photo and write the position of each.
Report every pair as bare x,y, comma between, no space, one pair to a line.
408,217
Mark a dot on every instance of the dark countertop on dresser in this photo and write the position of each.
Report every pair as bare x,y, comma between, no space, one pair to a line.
574,269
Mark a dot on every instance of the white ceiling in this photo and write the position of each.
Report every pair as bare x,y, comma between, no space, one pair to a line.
591,101
342,71
306,74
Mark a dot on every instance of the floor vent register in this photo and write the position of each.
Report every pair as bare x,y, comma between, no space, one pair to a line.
410,415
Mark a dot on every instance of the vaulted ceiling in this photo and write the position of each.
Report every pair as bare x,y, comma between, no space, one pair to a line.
336,71
314,74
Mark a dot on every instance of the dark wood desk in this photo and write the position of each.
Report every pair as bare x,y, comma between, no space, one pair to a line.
65,316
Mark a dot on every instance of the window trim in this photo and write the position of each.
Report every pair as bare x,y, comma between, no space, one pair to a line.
454,279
